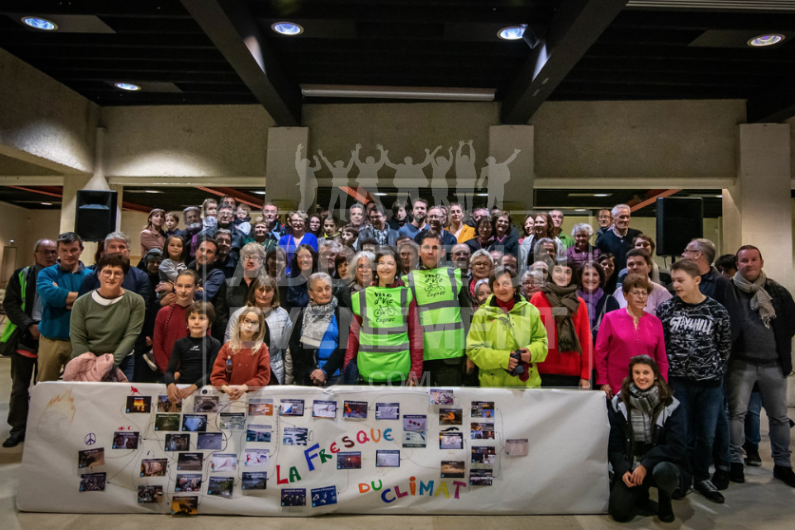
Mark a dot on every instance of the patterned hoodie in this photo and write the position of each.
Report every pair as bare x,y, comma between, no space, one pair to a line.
697,339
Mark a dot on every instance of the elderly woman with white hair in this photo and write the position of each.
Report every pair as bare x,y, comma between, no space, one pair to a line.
320,335
361,274
582,251
480,266
251,265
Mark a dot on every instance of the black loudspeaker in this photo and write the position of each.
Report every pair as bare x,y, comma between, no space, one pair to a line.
679,220
96,214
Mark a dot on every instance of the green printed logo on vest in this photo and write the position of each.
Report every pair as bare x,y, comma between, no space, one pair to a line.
433,285
384,310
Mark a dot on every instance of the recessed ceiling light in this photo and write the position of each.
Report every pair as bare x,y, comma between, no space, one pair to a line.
511,33
766,40
380,194
718,196
46,204
482,194
259,192
590,194
127,86
287,28
580,210
40,23
152,191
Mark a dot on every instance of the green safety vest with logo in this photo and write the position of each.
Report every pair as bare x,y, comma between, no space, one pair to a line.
10,326
384,349
436,292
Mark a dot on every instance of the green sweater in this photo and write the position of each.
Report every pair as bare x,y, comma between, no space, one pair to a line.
102,326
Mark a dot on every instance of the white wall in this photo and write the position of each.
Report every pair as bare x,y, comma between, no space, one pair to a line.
25,227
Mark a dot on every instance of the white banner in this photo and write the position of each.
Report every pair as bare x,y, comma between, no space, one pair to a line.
122,448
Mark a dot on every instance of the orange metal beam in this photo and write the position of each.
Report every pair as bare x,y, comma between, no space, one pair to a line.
655,195
234,193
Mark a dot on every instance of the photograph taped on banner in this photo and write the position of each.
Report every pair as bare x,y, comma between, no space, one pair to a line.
154,467
223,462
254,480
295,436
150,494
139,404
517,447
177,442
91,458
449,439
92,482
454,469
187,482
442,396
194,422
256,457
356,410
206,404
167,422
190,461
221,486
387,458
164,405
292,407
293,497
324,409
387,411
481,431
126,440
258,433
450,416
232,421
481,477
349,460
184,505
260,407
484,455
483,410
324,496
210,441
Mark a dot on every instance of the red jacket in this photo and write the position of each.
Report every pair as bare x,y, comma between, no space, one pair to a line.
415,337
565,363
252,370
170,326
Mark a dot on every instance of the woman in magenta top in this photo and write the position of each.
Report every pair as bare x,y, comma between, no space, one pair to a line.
625,333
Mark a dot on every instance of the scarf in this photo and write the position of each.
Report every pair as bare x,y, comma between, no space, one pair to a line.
565,297
761,301
591,301
316,321
641,411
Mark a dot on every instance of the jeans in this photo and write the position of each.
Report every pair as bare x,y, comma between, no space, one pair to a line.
773,391
127,366
753,434
623,500
703,404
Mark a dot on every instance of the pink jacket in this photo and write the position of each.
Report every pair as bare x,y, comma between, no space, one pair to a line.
90,368
618,341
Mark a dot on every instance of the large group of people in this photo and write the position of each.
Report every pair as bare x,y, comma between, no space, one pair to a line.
430,295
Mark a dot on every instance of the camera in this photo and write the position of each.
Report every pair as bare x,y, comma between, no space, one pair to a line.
519,370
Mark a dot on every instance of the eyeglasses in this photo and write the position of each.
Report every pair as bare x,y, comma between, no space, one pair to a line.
254,259
112,274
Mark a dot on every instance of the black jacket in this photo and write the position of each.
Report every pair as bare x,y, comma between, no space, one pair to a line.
305,359
783,325
12,305
669,438
721,289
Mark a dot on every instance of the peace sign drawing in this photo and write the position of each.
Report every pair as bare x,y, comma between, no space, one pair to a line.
91,438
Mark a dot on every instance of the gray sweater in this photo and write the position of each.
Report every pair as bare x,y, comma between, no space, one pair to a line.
100,325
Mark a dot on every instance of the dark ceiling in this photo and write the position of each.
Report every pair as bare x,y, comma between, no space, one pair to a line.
683,50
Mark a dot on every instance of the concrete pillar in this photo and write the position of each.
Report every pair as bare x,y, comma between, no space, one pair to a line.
757,210
517,193
281,177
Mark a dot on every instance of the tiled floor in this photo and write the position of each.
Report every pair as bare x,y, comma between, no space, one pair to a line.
762,503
